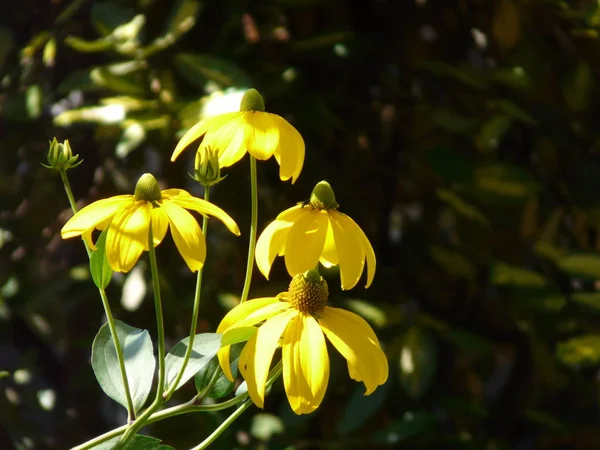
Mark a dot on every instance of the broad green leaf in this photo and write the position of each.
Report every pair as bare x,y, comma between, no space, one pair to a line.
460,338
222,386
453,262
417,361
139,363
491,133
512,110
461,207
516,277
99,267
581,265
361,407
139,442
589,300
581,351
205,348
199,68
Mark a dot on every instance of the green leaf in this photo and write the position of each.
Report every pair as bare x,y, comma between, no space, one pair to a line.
461,207
199,68
516,277
497,181
417,361
580,351
205,348
581,265
99,267
139,363
491,133
589,300
453,262
452,121
512,110
222,386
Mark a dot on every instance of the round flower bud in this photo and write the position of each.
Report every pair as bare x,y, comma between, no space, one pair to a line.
60,156
252,101
207,170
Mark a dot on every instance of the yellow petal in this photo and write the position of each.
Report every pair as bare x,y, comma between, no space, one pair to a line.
267,341
349,248
305,241
127,235
187,235
261,133
187,201
352,336
271,243
290,153
291,214
201,128
246,367
160,225
329,256
229,141
86,219
305,364
259,309
369,253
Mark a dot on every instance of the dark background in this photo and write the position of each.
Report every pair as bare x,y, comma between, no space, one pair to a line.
460,134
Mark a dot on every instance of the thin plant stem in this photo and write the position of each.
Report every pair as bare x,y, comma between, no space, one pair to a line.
234,415
253,226
195,311
158,400
107,311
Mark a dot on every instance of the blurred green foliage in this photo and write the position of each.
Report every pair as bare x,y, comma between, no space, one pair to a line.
461,135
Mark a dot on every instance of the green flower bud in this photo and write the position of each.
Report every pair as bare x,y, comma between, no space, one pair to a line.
60,156
323,197
147,188
252,101
206,169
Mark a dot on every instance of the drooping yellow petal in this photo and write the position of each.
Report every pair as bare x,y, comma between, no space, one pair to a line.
187,201
229,141
369,253
267,340
160,225
200,129
127,235
349,248
271,243
305,241
352,336
291,214
246,368
87,235
93,214
262,134
187,234
329,256
259,309
305,364
290,152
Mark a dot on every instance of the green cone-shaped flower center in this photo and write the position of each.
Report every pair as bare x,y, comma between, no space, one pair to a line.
147,188
308,292
252,101
323,197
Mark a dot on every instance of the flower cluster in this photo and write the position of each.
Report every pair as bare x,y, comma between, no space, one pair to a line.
298,321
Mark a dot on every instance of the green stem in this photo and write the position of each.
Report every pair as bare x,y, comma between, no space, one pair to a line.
237,413
253,226
195,311
107,311
158,400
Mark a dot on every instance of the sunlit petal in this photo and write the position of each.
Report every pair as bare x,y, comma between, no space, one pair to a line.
86,219
305,364
200,129
349,248
160,225
187,201
262,134
352,336
229,141
329,256
291,214
369,253
305,241
246,368
267,340
187,235
127,235
271,243
290,152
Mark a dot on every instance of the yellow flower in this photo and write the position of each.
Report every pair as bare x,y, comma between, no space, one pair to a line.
128,218
315,231
299,321
251,130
